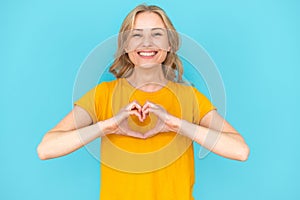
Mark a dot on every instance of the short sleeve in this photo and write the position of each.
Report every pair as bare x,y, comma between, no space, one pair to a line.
87,102
202,106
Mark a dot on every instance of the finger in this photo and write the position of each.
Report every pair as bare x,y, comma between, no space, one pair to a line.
148,104
134,134
136,113
137,106
134,106
145,113
147,109
150,133
128,132
158,112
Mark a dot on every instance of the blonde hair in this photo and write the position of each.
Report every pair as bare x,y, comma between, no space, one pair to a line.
172,66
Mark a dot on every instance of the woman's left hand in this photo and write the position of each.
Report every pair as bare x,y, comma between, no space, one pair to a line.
165,123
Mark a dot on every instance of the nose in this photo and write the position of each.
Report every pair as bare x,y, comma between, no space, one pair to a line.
147,41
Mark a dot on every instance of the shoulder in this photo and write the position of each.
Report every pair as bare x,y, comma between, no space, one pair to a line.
190,93
184,88
104,89
107,85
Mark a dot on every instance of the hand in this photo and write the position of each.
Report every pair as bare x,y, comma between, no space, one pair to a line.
119,123
165,123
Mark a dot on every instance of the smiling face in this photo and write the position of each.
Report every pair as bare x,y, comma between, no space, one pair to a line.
148,41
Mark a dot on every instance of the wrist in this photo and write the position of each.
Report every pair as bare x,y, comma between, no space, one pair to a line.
107,126
101,129
104,128
187,129
174,123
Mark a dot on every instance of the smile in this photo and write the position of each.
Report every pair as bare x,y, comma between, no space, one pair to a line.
147,53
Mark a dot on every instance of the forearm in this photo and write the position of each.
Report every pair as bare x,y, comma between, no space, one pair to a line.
60,143
225,144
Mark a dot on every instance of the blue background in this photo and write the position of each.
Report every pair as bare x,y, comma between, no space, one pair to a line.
255,45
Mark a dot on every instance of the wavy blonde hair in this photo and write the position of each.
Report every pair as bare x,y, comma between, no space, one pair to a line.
172,66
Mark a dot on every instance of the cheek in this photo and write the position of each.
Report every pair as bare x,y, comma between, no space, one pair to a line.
162,56
164,45
132,45
133,57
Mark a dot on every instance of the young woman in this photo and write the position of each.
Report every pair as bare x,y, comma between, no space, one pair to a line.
146,118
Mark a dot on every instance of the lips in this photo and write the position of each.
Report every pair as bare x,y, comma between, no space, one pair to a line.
147,54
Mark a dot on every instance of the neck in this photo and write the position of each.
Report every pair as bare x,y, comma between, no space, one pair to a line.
148,79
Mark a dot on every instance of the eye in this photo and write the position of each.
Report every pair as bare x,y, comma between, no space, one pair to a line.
156,34
137,35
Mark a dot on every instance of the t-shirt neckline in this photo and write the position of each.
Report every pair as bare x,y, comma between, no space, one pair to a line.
157,92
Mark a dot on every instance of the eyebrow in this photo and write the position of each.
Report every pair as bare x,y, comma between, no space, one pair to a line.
158,29
153,29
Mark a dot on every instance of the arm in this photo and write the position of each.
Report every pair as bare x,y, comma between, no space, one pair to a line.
68,135
77,130
217,135
213,132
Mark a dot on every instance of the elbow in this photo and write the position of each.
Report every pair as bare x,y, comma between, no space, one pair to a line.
42,152
45,148
243,154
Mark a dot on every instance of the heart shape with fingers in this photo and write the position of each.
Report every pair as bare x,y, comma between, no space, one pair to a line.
144,121
144,118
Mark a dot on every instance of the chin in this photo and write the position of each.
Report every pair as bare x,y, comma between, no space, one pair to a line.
148,65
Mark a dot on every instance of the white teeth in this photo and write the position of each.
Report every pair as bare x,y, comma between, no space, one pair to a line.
152,53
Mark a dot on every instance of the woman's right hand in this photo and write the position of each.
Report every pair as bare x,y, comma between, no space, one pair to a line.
119,124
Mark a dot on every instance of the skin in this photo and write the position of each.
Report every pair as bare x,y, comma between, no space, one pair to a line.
213,132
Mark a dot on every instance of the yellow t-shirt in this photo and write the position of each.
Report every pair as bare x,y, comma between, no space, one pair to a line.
157,168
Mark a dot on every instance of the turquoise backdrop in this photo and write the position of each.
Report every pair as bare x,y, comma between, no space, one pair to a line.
255,45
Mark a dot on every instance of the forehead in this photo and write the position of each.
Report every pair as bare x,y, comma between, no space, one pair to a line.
147,20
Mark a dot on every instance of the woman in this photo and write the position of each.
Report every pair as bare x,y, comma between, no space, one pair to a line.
147,119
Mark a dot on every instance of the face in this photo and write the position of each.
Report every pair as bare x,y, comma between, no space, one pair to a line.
148,41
